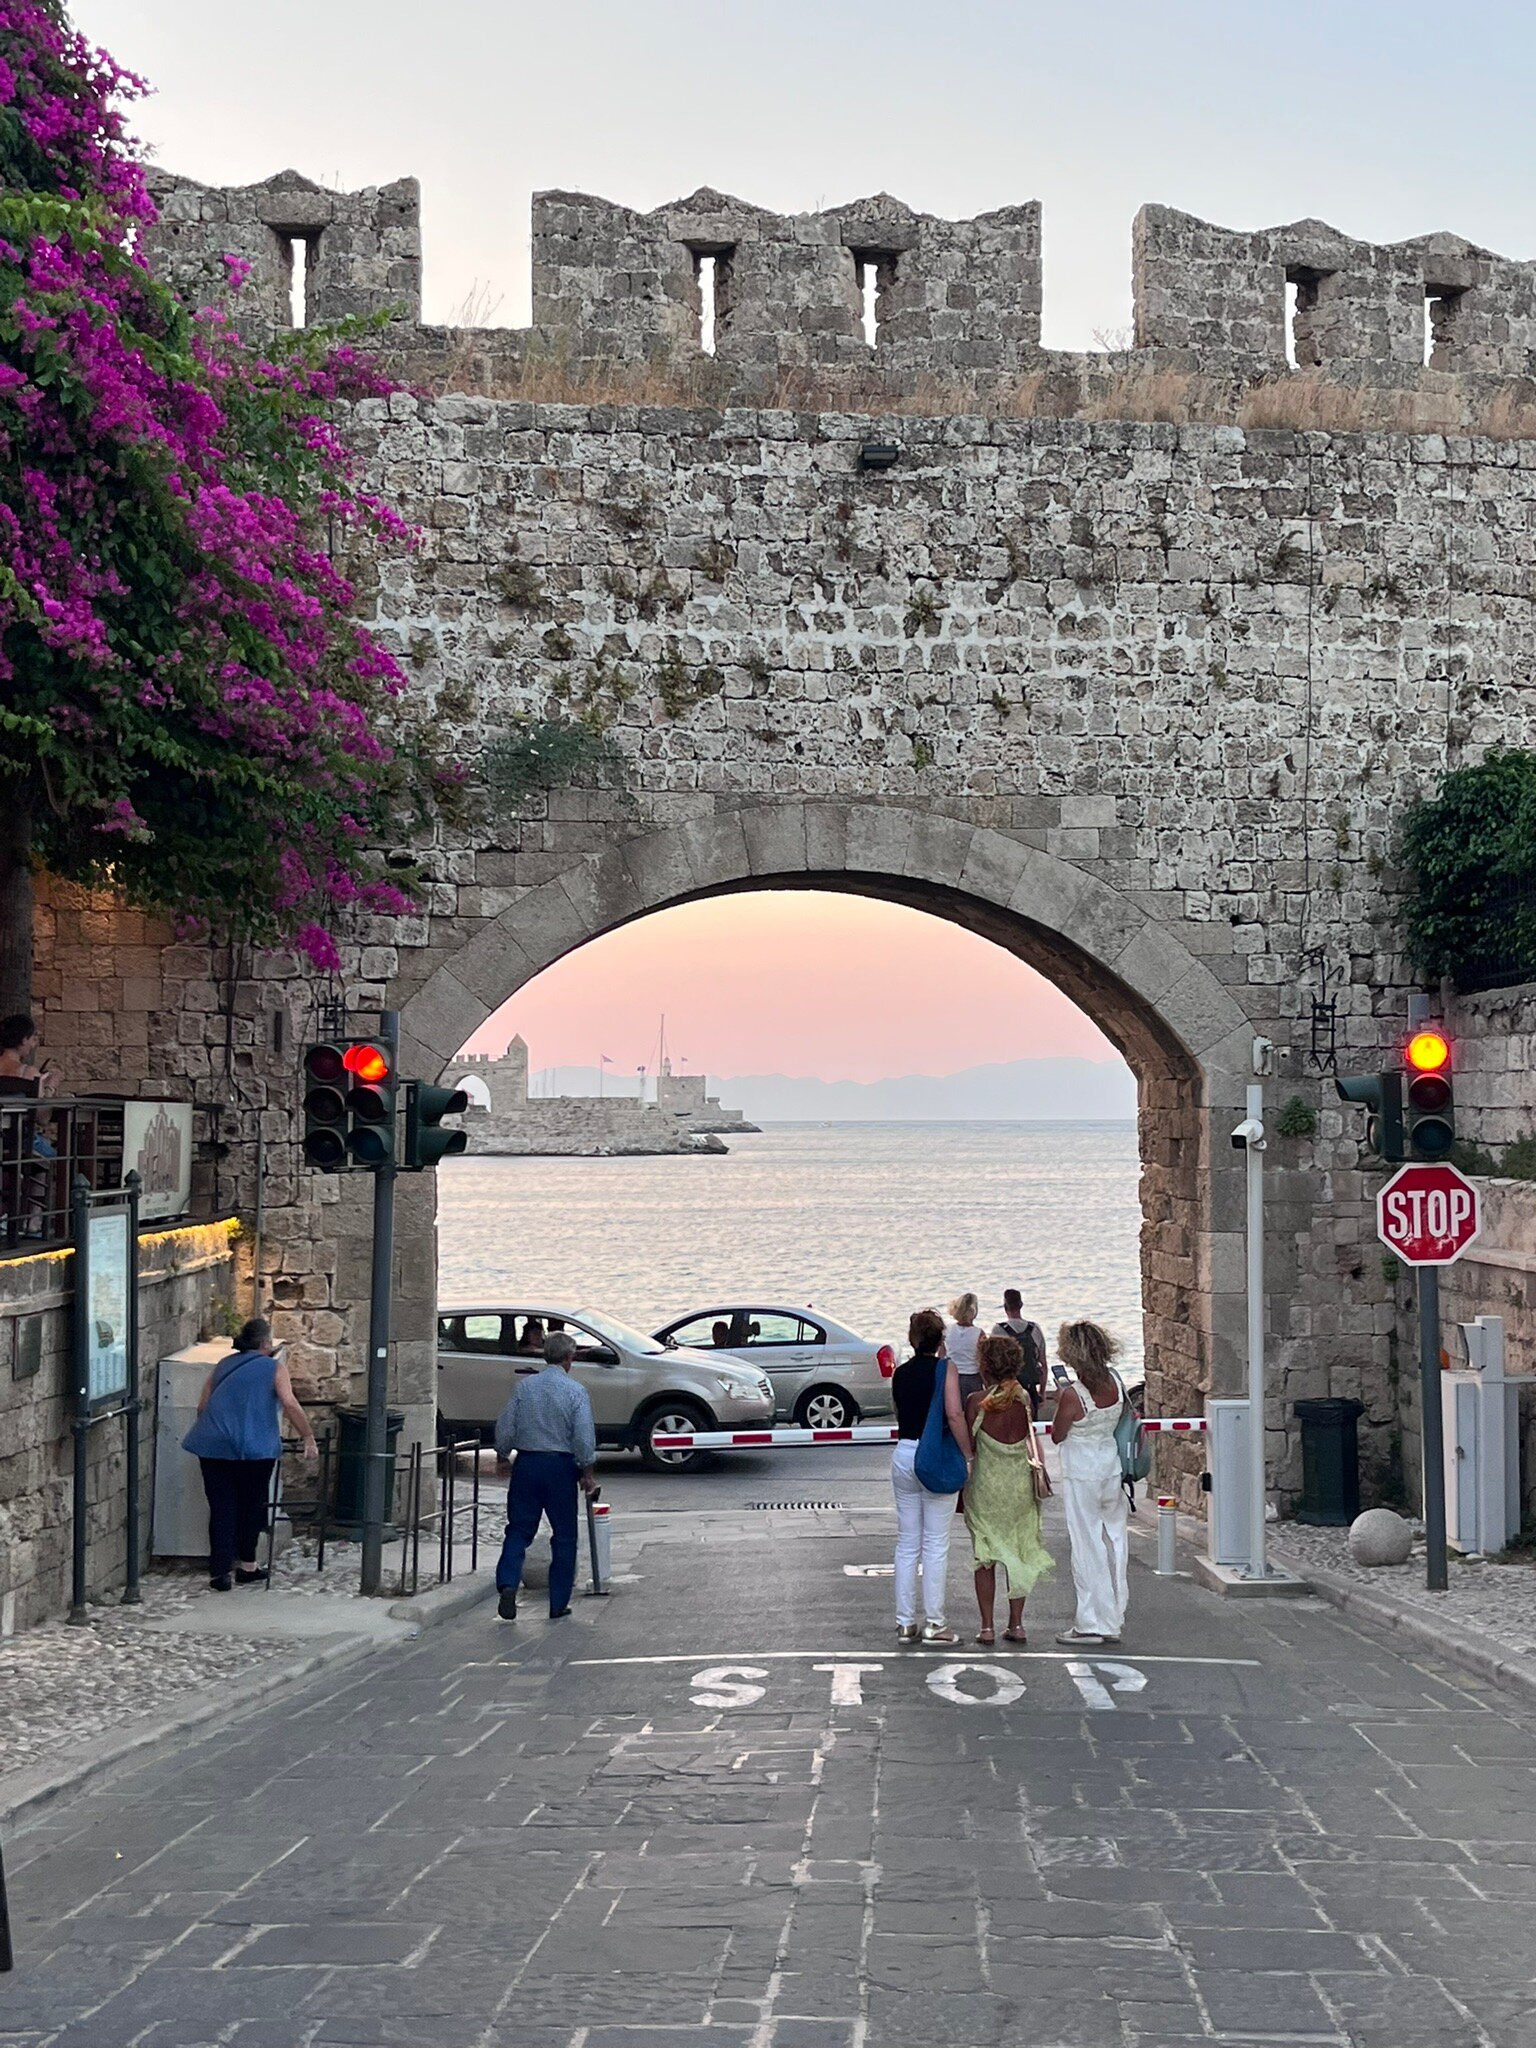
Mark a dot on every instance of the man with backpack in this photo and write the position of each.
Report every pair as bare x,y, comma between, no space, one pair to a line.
1031,1338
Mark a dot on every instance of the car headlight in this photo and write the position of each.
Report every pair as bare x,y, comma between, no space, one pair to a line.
727,1386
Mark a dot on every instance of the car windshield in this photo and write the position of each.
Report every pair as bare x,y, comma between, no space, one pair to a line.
619,1334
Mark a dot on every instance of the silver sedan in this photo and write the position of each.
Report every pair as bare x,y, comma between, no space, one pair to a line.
824,1375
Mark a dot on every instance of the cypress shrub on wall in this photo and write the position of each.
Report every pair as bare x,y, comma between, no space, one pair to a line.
1471,855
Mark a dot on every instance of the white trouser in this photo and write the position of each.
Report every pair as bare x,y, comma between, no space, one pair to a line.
1097,1521
923,1523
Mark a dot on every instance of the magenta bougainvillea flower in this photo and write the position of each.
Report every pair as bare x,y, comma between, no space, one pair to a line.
190,712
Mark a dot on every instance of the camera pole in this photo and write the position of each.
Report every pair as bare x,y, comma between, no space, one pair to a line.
1258,1539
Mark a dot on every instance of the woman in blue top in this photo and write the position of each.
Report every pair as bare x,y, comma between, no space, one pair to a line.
237,1441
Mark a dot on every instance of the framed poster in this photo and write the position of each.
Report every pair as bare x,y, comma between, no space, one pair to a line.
105,1306
157,1145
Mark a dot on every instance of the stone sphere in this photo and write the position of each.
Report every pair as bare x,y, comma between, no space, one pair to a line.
1380,1537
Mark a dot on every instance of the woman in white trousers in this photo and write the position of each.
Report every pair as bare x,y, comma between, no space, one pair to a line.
1092,1491
923,1519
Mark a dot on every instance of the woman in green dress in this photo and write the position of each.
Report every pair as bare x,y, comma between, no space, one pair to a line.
1002,1495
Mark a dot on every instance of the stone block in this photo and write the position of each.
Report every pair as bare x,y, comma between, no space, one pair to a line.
444,1014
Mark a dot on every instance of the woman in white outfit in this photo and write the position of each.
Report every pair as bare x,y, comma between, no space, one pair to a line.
1087,1411
923,1519
961,1340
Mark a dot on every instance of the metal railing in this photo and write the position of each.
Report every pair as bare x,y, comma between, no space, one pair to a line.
416,1517
46,1145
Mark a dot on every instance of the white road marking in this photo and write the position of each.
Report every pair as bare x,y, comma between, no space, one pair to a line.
1124,1677
917,1650
847,1682
1007,1686
725,1687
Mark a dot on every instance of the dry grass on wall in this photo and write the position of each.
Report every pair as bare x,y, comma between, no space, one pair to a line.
1083,388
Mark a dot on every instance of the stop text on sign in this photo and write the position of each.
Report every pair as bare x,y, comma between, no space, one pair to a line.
1428,1214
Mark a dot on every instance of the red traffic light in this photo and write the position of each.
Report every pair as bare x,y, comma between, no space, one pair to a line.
366,1063
1428,1052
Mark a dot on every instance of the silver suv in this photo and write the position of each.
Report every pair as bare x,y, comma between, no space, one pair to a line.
639,1389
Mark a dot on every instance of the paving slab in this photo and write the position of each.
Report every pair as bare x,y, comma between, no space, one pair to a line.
724,1808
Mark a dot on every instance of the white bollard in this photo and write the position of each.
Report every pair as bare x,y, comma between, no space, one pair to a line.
1167,1537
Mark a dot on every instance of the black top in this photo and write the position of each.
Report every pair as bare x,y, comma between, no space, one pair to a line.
912,1391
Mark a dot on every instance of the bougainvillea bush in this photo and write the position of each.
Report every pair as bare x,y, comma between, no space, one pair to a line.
188,711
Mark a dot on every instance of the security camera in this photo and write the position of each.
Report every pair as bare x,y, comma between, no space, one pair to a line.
1250,1132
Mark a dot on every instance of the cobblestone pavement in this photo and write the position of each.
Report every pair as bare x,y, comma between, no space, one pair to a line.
1496,1596
722,1809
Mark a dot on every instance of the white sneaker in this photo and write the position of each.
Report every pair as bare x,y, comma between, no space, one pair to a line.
1073,1636
939,1632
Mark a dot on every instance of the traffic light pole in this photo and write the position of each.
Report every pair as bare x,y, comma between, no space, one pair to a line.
375,1443
1432,1430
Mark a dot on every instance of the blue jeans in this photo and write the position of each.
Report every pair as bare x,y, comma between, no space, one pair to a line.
543,1483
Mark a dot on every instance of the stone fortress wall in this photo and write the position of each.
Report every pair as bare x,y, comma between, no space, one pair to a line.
1141,701
513,1122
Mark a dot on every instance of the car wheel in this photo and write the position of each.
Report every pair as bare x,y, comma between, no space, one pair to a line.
671,1418
825,1408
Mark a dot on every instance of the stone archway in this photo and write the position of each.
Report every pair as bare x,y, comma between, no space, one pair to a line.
1184,1035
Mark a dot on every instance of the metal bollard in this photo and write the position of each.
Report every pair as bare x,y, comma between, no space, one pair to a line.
1167,1537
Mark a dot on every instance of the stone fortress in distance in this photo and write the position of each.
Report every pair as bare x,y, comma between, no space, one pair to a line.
683,1118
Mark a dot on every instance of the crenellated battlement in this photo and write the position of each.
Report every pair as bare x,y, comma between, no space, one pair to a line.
356,252
1219,292
788,290
740,303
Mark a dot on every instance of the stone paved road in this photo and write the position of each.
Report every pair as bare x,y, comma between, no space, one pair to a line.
720,1809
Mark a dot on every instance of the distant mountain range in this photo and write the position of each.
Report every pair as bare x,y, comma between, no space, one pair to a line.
1026,1091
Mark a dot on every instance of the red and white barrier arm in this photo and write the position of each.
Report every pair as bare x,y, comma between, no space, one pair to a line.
859,1433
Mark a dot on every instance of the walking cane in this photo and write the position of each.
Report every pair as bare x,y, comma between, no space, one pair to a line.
7,1953
597,1577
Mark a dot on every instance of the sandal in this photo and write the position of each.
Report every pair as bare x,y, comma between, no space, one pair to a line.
985,1635
1015,1635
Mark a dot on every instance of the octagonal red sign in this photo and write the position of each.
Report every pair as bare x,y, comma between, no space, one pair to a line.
1428,1214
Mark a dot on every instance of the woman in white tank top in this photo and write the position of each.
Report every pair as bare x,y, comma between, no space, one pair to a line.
1087,1412
960,1341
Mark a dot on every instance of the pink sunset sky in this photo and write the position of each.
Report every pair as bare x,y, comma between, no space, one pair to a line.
792,982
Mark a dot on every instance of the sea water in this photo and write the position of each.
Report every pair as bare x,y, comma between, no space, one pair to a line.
865,1221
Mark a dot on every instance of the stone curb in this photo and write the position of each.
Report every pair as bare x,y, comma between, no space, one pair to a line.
1469,1647
42,1784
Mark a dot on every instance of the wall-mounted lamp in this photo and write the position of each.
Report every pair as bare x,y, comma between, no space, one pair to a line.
879,455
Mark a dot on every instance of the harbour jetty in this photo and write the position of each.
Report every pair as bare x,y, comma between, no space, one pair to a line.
505,1119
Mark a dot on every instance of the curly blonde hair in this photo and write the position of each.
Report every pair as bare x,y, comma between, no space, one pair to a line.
1087,1349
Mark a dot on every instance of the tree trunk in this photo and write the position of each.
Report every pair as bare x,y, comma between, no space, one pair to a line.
16,910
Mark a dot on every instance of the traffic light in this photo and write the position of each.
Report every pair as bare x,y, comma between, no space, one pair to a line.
370,1103
1382,1095
349,1106
425,1108
1431,1109
325,1107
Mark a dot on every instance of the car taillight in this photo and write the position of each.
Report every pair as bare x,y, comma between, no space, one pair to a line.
885,1358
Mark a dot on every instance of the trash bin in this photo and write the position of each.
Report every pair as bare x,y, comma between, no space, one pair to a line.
351,1461
1330,1461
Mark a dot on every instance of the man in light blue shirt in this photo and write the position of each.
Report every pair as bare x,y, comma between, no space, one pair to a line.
548,1424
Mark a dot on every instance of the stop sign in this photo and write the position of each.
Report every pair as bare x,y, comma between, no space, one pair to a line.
1428,1215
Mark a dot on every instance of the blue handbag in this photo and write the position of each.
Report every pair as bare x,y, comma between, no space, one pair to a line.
940,1462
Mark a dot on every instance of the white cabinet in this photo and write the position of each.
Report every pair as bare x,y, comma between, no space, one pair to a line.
1482,1443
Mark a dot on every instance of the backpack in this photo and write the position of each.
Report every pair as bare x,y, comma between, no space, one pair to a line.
1132,1443
1031,1340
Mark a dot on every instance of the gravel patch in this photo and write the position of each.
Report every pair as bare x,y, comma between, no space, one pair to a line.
1497,1598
